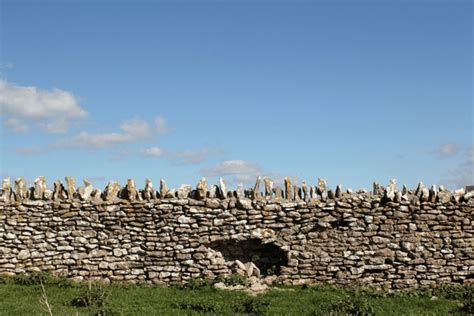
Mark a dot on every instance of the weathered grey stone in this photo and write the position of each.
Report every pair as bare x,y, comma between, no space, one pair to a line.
256,188
223,188
378,190
131,190
201,189
444,196
85,192
297,194
240,191
70,187
21,190
164,191
268,187
458,194
112,190
313,192
304,189
184,190
252,269
149,192
419,189
244,203
404,190
433,194
425,195
469,195
288,189
278,193
48,194
39,188
6,190
23,254
330,194
59,192
391,190
322,186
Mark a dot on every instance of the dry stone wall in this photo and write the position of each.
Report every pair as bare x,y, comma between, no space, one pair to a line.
384,238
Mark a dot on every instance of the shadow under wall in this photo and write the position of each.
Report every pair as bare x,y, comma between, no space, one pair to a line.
269,258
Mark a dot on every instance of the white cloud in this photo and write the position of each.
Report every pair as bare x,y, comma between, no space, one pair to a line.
160,125
16,125
233,167
462,174
192,157
136,128
245,172
447,150
240,171
96,141
152,152
49,109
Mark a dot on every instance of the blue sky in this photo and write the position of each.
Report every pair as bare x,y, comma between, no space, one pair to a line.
351,91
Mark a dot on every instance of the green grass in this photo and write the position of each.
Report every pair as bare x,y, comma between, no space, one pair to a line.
21,295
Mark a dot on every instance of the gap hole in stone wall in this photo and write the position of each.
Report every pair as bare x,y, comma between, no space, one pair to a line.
269,258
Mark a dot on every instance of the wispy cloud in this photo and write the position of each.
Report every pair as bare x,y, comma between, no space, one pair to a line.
462,174
152,152
447,150
31,150
52,110
193,157
98,140
135,130
239,171
16,125
245,172
233,167
160,125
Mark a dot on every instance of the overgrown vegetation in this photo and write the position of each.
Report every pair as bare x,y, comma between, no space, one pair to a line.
28,295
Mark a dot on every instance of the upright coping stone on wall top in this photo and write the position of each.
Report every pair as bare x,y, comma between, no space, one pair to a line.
322,189
85,192
59,192
288,189
21,190
131,191
163,189
6,190
70,187
112,190
304,188
222,188
313,193
256,188
39,188
149,192
391,190
201,189
268,187
184,190
338,192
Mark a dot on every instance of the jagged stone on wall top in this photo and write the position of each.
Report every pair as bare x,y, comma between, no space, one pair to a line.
268,186
292,192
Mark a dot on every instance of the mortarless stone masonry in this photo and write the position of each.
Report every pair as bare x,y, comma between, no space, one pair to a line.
385,238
